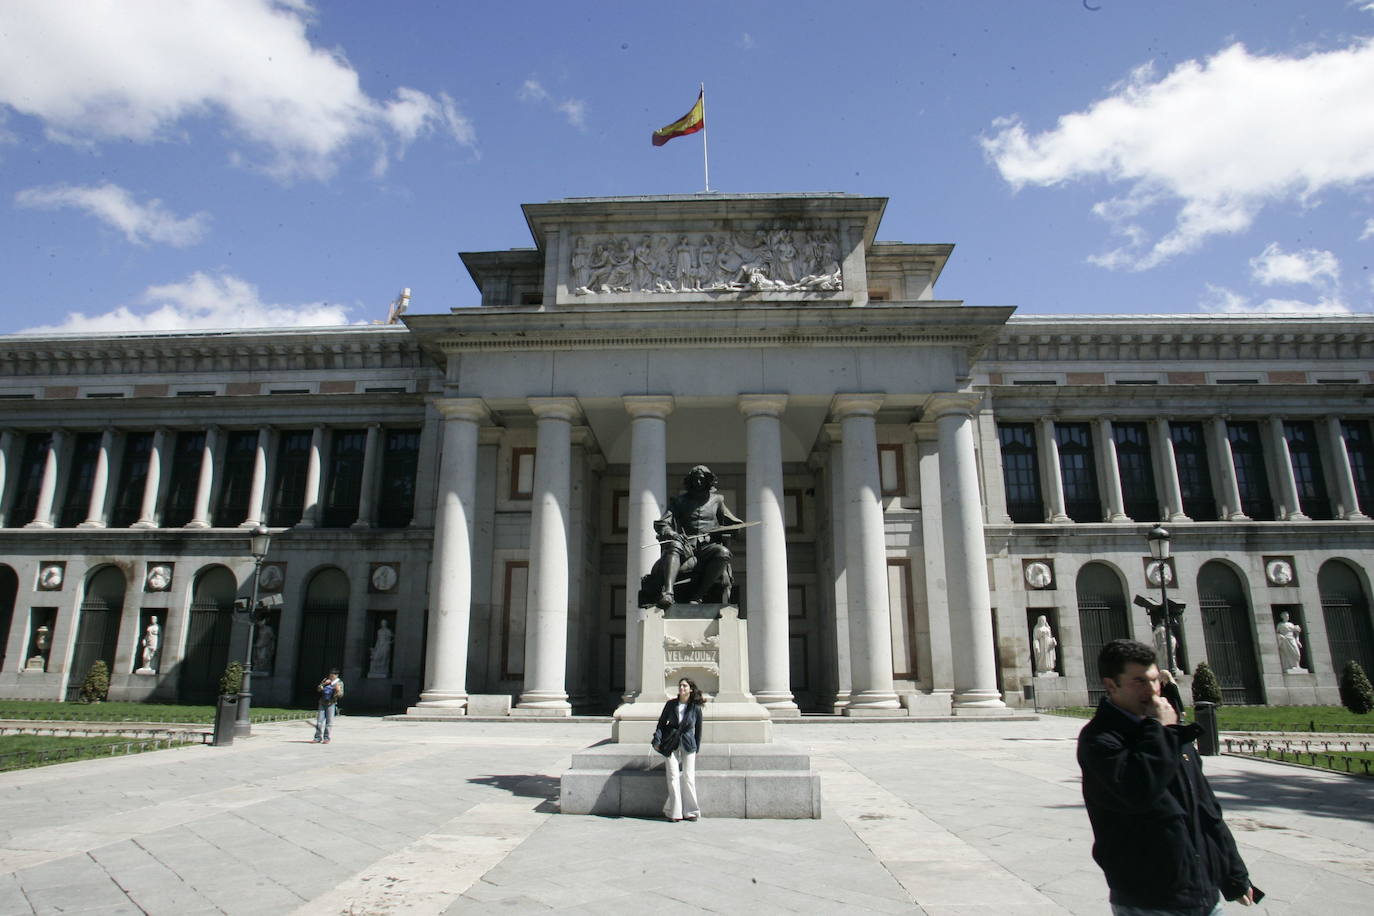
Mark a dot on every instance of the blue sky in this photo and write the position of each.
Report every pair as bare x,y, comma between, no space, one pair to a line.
236,163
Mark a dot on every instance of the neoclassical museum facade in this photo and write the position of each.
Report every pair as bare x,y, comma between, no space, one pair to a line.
929,479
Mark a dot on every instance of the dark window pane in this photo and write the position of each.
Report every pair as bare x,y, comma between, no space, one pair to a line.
1139,498
1247,453
30,479
1360,447
239,453
133,473
345,478
85,452
1307,468
187,453
1194,480
1078,471
400,456
288,496
1021,472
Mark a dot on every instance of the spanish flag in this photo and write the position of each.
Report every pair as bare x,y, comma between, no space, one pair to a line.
689,123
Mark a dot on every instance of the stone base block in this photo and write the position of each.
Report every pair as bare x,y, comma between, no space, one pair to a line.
436,712
722,723
489,704
873,712
541,712
969,711
927,704
772,781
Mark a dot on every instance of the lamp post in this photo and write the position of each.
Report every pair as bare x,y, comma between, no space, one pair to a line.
258,540
1159,549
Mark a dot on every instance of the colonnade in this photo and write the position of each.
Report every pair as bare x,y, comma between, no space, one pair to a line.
1226,486
864,565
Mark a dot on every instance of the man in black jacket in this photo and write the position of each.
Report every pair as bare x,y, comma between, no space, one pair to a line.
1158,833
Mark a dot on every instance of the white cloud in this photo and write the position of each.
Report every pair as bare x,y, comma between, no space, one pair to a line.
534,93
745,42
201,302
1219,138
1220,300
141,223
1368,232
138,70
1312,267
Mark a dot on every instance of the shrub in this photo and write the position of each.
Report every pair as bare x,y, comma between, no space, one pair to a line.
1206,687
1356,693
97,684
232,680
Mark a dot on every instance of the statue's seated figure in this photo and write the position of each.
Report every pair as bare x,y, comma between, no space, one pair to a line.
694,565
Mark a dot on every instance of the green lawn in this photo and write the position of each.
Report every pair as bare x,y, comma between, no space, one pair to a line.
19,752
1357,762
1269,718
133,712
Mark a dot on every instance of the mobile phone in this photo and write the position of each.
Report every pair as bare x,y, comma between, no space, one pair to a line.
1258,894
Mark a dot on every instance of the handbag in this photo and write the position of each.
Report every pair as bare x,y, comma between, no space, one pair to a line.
666,740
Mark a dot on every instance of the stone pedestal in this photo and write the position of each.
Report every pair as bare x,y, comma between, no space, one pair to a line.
707,643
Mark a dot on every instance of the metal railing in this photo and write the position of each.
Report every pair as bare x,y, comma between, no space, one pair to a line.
1265,750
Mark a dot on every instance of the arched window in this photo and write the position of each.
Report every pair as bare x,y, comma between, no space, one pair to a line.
210,629
1345,607
1102,617
324,616
97,630
1228,631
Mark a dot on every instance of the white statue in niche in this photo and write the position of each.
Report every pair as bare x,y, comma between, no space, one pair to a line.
1162,642
1290,645
39,660
1045,644
381,651
152,638
159,578
264,648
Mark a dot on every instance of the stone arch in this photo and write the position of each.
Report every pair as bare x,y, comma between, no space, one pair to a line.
209,632
324,620
9,589
1102,616
1345,608
1228,632
97,627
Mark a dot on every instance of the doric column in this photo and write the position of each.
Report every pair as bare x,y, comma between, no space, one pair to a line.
152,484
310,510
450,586
1110,471
838,588
367,496
647,503
1347,502
870,625
1228,501
47,488
1282,460
257,489
1166,472
966,568
767,582
546,607
100,482
1048,444
200,516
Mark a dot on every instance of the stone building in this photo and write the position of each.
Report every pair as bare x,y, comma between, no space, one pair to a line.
930,479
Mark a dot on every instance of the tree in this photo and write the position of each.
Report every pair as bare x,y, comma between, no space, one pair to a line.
1356,693
1206,687
231,680
97,684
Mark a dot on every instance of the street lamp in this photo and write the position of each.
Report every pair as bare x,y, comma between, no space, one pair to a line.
258,540
1159,549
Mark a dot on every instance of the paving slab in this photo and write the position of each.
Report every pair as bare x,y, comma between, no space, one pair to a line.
976,817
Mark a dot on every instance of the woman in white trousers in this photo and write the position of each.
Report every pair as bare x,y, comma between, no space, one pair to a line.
682,716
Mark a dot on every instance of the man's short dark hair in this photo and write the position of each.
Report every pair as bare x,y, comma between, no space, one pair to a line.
1118,653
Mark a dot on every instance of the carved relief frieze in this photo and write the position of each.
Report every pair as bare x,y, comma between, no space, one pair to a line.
783,258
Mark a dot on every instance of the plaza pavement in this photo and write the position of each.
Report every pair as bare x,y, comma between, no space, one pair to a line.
952,817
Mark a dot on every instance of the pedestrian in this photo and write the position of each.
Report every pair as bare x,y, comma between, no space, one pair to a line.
1158,832
1168,689
331,691
682,717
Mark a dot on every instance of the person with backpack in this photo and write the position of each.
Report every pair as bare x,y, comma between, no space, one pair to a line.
331,691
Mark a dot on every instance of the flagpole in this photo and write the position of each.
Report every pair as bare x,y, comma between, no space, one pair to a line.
705,160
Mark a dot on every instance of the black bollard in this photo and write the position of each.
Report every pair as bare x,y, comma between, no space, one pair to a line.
225,715
1209,742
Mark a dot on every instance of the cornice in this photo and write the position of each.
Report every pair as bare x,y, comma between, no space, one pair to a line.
1175,338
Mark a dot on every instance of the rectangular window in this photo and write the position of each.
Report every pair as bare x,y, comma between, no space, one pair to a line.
521,473
1139,498
513,601
396,496
1194,478
133,475
1306,458
288,495
30,479
345,478
1078,470
1359,446
187,455
1247,452
903,618
891,476
85,453
1021,472
240,453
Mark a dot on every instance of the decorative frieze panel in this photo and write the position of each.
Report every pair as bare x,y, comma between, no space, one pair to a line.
791,258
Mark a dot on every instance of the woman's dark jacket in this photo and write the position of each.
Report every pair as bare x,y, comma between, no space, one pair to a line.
691,734
1157,827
